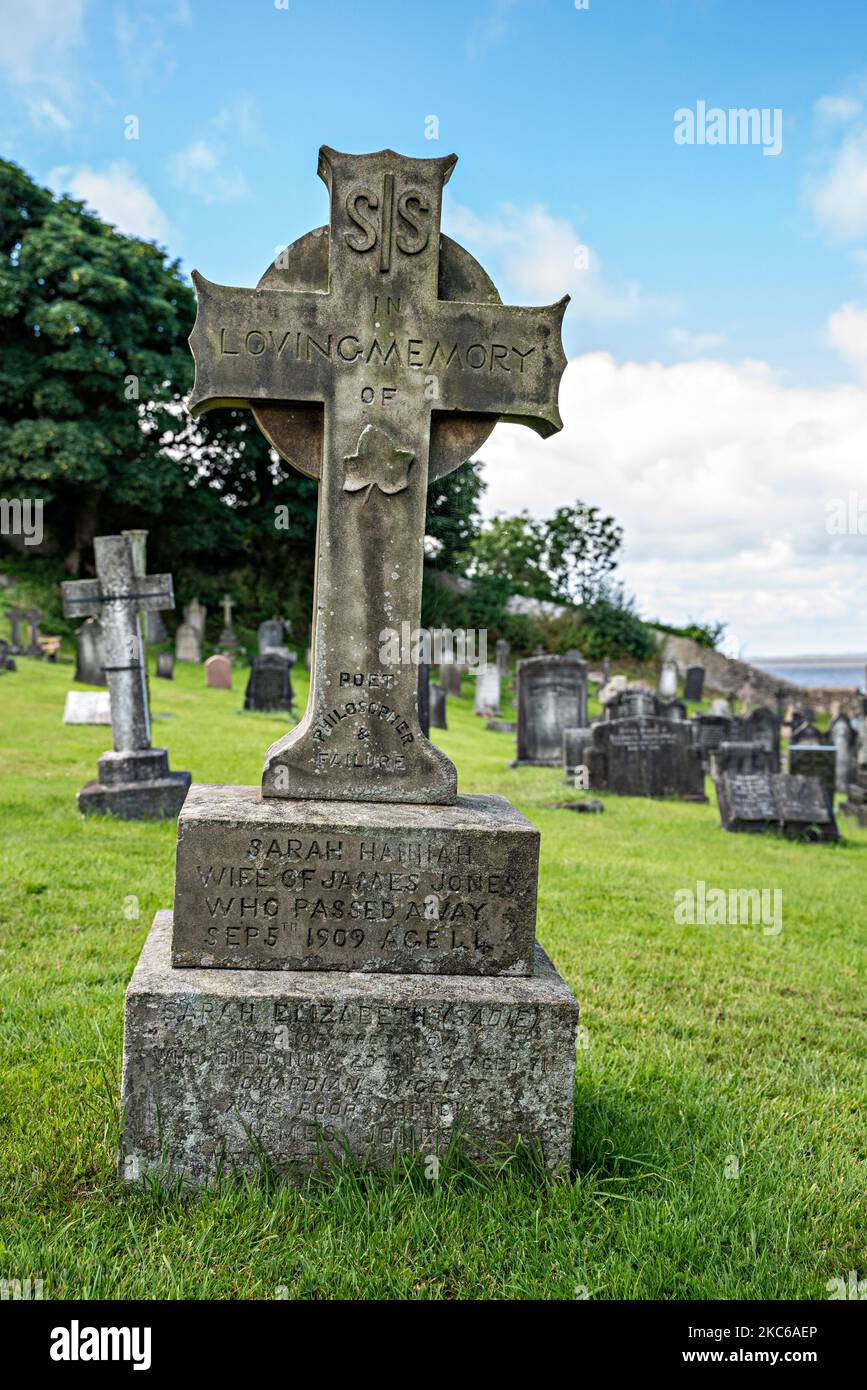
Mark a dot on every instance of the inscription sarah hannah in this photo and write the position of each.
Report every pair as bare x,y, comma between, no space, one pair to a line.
452,895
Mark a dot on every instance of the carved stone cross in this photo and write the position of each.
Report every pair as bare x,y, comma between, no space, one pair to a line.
116,597
377,356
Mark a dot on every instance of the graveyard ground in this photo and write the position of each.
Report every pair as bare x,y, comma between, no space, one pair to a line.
704,1044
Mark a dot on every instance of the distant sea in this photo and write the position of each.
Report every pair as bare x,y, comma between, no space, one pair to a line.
850,674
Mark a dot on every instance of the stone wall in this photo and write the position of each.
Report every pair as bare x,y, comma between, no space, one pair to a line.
725,676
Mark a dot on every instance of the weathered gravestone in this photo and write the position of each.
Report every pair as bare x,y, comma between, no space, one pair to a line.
844,740
741,758
710,730
437,707
424,698
33,616
502,726
134,779
762,726
502,652
667,687
188,638
400,916
552,696
630,704
856,802
88,653
218,672
16,617
805,731
7,661
574,743
795,807
269,685
87,707
669,709
165,666
270,635
154,627
646,756
450,678
227,636
815,760
487,699
693,686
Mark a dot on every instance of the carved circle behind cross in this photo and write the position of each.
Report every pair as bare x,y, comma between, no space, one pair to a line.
295,431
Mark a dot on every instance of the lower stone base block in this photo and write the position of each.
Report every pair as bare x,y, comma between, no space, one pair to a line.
224,1067
135,785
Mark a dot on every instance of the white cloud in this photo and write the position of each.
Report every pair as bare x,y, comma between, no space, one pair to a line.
847,332
694,344
839,195
38,35
537,257
838,108
721,475
205,168
148,50
44,114
117,196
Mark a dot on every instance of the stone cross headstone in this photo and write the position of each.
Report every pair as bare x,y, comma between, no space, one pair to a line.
438,699
693,686
487,698
502,652
134,780
396,335
7,661
815,760
227,636
552,696
844,740
218,672
16,617
88,648
376,356
33,616
165,666
667,687
646,756
795,807
154,627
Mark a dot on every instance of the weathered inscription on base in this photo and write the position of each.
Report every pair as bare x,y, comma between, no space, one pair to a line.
294,886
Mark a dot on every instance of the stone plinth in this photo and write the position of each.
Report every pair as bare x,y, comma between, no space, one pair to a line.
306,885
223,1066
135,786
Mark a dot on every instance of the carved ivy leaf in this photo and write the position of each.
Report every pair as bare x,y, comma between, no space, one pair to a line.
377,462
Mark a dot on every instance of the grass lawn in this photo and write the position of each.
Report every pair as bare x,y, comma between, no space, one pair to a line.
707,1049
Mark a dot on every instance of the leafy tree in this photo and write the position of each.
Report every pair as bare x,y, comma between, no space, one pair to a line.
581,546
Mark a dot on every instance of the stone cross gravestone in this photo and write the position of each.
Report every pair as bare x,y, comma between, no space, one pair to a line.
218,673
371,322
227,636
401,917
693,686
843,738
646,756
154,627
33,616
487,698
552,696
134,779
88,653
16,617
815,760
438,699
795,807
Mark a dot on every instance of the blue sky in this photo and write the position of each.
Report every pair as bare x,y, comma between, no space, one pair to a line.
715,401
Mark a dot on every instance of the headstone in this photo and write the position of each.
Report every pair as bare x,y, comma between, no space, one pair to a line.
269,685
741,758
424,697
154,627
795,807
88,650
667,687
710,730
762,726
487,699
33,616
400,916
844,741
574,743
806,732
502,651
552,696
7,661
87,707
646,756
218,672
165,666
693,686
573,654
195,614
227,636
815,760
188,638
669,709
631,704
501,726
16,617
450,678
438,700
134,779
271,634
